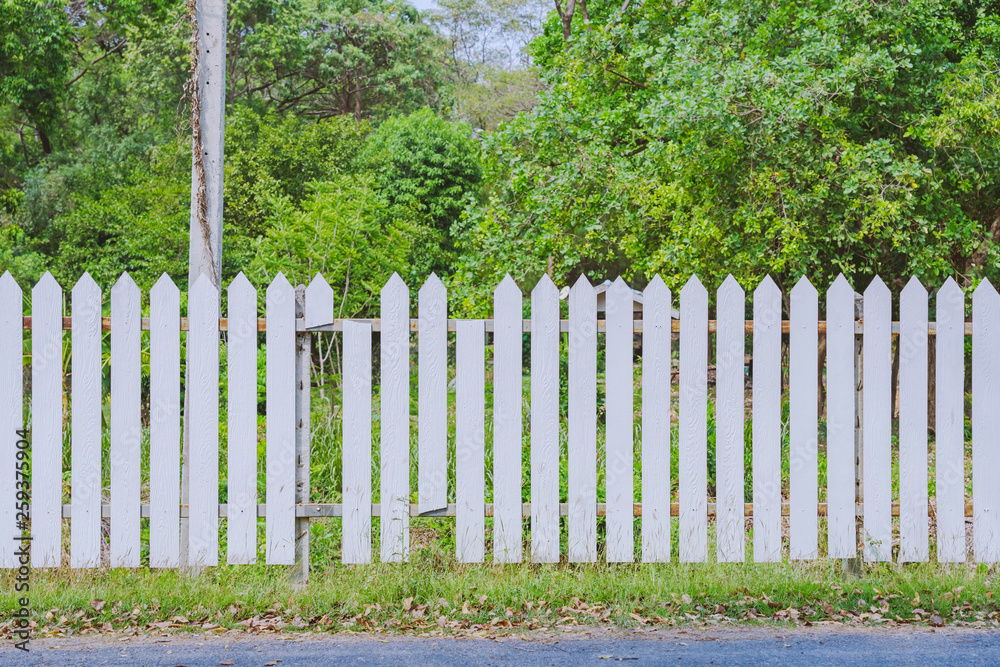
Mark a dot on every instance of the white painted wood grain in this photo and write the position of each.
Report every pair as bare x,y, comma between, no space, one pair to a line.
319,303
582,416
279,527
618,446
470,441
203,383
125,424
85,451
803,495
11,416
165,424
545,421
507,427
730,404
357,456
766,430
913,527
241,362
949,432
395,415
840,419
46,423
985,423
877,422
432,409
656,477
692,476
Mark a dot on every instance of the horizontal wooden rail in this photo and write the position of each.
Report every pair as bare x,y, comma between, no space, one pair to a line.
376,324
328,510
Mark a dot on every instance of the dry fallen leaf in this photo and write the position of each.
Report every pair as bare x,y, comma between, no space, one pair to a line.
97,605
227,661
407,603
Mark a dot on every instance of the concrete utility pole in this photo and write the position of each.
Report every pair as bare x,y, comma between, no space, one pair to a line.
208,111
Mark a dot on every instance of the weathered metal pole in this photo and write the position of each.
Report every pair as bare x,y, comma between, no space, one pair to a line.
208,109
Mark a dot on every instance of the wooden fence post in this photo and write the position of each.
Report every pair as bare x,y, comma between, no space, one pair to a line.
853,566
303,349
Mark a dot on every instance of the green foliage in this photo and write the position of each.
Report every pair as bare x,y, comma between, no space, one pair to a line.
784,138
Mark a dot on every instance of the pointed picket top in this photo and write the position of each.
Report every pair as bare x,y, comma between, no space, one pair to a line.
581,283
914,286
240,283
840,288
693,287
803,288
545,286
204,285
125,288
319,303
243,291
951,291
619,295
731,287
124,282
507,287
85,286
393,286
46,284
876,288
164,285
767,287
6,280
433,284
432,297
984,290
655,284
10,291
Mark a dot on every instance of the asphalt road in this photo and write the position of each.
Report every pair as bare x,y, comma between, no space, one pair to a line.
756,647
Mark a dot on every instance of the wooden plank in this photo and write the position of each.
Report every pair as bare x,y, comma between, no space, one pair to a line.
692,476
241,361
85,451
582,416
507,399
279,488
985,423
46,423
619,442
357,456
395,424
12,470
125,425
470,442
656,477
803,418
203,379
432,411
165,423
877,422
913,526
949,431
729,422
544,421
766,422
319,303
840,419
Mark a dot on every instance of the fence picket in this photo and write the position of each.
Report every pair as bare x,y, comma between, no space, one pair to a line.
241,362
656,344
949,431
125,425
507,333
470,441
279,527
692,476
582,417
803,418
730,344
913,526
840,420
877,422
11,414
985,423
357,455
545,422
432,412
619,348
203,379
319,303
394,488
165,425
85,451
766,422
46,423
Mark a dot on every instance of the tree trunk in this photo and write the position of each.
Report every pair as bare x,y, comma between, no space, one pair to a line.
208,106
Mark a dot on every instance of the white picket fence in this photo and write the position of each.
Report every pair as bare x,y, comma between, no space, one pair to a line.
286,505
